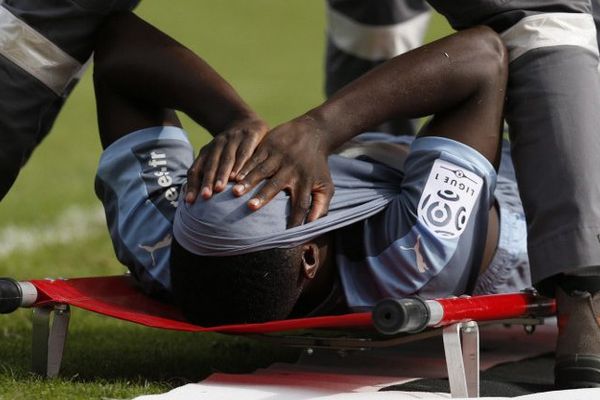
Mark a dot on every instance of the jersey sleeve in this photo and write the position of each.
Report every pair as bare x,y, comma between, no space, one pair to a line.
430,235
139,181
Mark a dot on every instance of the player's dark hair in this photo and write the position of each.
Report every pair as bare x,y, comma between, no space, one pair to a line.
254,287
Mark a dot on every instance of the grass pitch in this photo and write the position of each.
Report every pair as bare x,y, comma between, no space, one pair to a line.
51,225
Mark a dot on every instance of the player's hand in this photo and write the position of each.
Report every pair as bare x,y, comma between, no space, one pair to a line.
293,157
222,158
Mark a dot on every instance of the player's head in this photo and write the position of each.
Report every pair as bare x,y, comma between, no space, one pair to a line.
231,265
258,286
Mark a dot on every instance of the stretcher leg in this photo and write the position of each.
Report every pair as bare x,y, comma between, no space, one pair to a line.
461,347
50,326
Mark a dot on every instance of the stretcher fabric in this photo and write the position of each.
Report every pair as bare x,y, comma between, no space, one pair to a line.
120,297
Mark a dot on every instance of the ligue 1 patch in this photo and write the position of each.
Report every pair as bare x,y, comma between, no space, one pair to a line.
448,199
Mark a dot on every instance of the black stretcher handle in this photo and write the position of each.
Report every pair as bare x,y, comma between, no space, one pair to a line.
11,295
407,315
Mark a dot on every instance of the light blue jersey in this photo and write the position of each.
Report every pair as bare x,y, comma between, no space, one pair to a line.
139,180
426,239
430,242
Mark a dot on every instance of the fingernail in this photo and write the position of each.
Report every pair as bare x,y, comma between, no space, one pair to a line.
206,192
254,202
219,184
239,188
189,198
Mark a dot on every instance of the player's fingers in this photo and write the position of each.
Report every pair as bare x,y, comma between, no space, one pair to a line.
269,190
225,165
300,205
256,159
320,202
265,169
193,179
209,169
243,154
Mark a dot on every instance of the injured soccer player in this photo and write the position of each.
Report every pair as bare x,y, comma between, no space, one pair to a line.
435,216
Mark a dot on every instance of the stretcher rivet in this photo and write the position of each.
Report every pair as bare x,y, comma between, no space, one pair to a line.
310,351
529,329
469,327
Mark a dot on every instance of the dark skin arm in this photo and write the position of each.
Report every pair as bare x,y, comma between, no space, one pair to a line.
141,75
461,79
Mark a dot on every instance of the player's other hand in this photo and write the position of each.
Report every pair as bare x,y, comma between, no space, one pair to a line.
291,157
222,158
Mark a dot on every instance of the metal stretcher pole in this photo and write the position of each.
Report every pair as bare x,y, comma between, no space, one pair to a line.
461,348
413,314
50,327
457,316
50,324
15,294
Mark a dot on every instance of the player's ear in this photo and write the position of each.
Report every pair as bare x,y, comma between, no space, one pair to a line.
310,260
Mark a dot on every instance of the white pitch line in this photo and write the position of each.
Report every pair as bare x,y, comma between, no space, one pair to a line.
74,224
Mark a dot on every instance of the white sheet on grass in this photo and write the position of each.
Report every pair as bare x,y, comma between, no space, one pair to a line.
360,376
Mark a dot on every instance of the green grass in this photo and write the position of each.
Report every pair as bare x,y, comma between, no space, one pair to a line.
272,52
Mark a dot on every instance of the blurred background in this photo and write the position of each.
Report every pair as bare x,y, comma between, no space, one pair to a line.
52,225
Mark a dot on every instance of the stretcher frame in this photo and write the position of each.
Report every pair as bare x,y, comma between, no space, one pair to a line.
460,338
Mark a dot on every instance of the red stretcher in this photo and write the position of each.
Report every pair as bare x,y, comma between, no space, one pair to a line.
392,322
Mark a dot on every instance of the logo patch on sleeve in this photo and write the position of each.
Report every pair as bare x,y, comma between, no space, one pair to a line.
448,199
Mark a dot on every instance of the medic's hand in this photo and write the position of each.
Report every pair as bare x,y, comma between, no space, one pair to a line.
293,157
222,158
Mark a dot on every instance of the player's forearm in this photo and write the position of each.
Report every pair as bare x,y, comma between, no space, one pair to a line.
140,61
444,73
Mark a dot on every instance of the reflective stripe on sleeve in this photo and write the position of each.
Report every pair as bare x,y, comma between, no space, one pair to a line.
375,43
551,29
37,55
